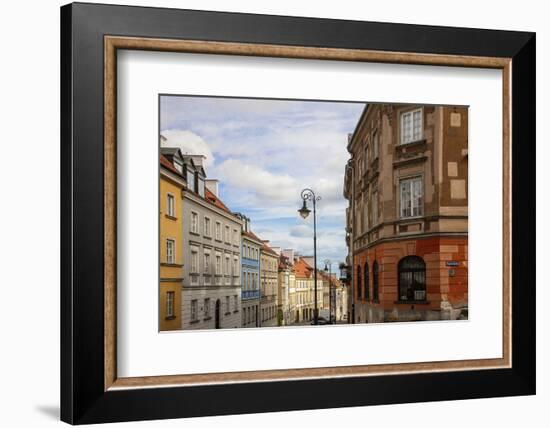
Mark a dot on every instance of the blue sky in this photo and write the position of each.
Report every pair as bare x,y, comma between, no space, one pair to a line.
264,152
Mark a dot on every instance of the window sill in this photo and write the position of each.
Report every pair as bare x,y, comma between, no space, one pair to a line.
194,233
411,302
195,321
235,311
207,318
170,217
412,143
227,313
170,318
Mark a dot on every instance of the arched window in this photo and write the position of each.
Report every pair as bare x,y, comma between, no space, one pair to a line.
367,290
412,279
375,281
358,282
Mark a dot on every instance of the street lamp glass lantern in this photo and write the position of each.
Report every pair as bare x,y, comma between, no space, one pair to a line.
304,211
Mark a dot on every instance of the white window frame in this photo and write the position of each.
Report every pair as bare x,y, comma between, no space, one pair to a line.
412,137
218,231
170,303
170,205
419,206
207,227
170,255
194,260
227,234
218,264
194,225
206,262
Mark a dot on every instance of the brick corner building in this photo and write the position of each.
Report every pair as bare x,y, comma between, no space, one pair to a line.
407,219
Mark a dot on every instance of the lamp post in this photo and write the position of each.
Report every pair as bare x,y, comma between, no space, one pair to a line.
309,195
328,268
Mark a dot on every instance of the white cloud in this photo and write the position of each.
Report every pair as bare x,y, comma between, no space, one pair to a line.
265,185
188,142
301,231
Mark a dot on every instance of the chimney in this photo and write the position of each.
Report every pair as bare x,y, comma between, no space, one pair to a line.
212,185
197,159
289,253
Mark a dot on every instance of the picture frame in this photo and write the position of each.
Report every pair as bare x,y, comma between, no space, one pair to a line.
91,391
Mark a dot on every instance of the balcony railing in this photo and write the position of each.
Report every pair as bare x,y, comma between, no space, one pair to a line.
250,294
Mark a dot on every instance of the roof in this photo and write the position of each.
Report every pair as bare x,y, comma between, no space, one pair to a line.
251,235
168,165
213,199
302,269
267,249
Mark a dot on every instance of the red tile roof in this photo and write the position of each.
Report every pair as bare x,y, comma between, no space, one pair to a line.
168,165
210,197
251,235
302,269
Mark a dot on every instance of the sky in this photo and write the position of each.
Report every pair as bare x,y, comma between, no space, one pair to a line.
264,152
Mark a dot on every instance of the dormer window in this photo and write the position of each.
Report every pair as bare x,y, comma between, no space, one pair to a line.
201,186
190,179
178,165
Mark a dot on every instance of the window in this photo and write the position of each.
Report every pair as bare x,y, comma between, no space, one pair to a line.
218,231
170,296
194,222
235,237
227,304
411,279
226,265
375,281
411,197
206,263
201,187
367,285
190,179
207,308
194,308
170,205
236,302
194,260
359,283
170,251
235,266
366,157
218,265
374,206
411,126
207,228
375,143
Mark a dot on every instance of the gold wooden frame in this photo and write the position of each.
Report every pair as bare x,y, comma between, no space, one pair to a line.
113,43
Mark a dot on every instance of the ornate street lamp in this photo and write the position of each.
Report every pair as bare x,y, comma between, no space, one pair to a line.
328,268
309,195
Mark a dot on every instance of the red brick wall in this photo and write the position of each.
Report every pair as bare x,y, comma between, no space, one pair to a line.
435,251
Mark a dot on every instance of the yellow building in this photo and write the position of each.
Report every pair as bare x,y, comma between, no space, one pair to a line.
171,255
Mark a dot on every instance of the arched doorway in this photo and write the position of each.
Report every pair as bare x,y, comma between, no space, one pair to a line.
359,283
375,280
218,313
411,279
367,285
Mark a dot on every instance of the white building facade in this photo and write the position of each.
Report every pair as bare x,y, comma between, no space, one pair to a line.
211,296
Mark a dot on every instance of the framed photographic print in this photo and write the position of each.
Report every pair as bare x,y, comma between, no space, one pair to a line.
255,207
